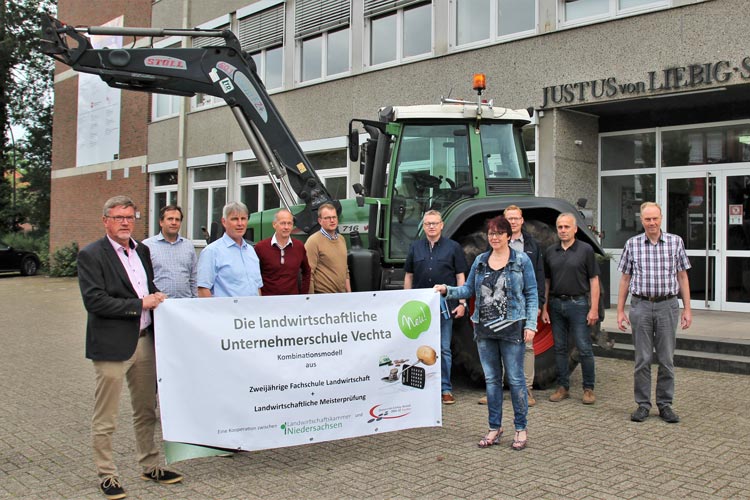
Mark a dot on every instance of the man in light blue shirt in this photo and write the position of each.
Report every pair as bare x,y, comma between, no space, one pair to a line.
229,267
173,257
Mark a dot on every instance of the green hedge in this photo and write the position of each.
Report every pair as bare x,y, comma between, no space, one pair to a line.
64,261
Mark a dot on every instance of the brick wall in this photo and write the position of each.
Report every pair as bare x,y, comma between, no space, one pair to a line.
77,201
77,204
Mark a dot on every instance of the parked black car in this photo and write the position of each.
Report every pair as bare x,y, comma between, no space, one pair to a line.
12,259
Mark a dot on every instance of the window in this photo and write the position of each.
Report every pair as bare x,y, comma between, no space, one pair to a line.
270,66
627,151
163,193
478,21
581,11
209,195
163,105
699,146
502,153
262,35
331,167
622,196
258,194
398,34
256,190
322,33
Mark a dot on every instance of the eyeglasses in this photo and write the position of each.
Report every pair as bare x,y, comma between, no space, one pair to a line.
330,218
494,235
282,256
121,218
431,224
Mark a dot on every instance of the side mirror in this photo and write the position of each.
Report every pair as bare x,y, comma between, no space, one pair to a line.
354,145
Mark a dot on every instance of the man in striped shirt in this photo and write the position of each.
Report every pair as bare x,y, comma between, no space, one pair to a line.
654,271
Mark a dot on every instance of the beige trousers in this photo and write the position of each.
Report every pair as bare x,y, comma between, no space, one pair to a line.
528,364
140,372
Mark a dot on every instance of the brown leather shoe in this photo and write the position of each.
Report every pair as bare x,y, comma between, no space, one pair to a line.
588,397
448,399
531,398
482,400
560,394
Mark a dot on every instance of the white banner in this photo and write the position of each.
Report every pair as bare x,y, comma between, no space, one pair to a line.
98,128
253,373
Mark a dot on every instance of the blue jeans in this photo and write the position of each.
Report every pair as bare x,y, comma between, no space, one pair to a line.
569,317
494,354
446,331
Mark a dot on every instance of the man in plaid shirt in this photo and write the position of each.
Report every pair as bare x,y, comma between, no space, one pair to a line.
654,271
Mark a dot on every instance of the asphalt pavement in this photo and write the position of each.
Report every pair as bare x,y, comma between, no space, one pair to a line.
575,451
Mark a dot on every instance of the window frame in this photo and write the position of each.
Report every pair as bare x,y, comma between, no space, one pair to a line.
400,58
175,101
321,18
199,102
309,148
324,76
273,38
194,185
613,12
262,68
494,38
171,192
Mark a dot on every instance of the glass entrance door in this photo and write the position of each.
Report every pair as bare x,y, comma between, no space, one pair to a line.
736,236
709,210
690,212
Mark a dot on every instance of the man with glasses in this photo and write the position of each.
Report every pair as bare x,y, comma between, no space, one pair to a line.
173,257
283,260
431,261
118,291
327,255
229,266
572,274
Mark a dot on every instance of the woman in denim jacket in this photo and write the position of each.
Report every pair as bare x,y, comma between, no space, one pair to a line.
504,286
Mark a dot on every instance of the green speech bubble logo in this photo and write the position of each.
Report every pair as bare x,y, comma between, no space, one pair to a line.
414,318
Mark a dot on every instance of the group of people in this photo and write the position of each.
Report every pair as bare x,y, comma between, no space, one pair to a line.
122,281
513,284
506,285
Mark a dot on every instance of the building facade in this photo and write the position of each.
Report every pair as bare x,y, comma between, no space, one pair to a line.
99,139
634,100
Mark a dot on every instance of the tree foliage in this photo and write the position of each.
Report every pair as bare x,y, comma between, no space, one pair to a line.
26,79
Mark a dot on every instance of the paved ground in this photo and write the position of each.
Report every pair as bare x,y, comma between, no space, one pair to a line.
46,389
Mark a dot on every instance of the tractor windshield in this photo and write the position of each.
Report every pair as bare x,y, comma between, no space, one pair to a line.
502,152
432,171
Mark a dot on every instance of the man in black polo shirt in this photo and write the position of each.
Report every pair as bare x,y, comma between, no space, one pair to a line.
571,273
433,261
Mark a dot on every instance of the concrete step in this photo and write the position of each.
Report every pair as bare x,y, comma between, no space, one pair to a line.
703,353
